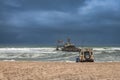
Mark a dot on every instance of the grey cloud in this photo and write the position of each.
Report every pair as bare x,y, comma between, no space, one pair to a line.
33,21
61,5
38,17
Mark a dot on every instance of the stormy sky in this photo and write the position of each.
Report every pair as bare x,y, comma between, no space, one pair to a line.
45,21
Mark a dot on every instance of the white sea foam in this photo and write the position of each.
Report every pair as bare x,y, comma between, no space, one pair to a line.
50,54
106,48
9,60
27,50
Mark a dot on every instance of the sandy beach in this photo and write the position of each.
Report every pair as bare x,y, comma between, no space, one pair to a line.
59,71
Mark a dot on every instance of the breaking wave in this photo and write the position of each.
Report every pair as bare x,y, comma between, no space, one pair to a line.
108,54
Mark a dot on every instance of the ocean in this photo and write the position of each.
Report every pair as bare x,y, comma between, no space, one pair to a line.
101,54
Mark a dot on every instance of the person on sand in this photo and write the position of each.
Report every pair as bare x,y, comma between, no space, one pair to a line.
77,59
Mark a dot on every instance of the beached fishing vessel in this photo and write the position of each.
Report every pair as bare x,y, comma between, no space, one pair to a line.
68,46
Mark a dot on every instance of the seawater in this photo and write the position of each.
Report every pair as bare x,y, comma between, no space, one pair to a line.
101,54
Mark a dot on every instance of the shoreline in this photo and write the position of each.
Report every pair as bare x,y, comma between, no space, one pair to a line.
12,60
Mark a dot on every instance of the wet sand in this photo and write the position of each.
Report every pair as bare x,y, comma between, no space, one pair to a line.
59,71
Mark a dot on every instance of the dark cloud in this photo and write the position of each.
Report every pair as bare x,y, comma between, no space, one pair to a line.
44,21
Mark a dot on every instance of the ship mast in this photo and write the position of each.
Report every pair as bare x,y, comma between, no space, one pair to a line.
68,40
